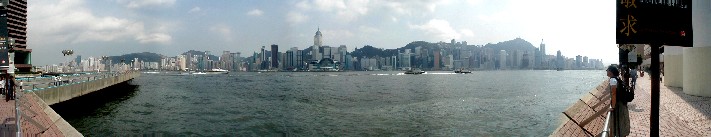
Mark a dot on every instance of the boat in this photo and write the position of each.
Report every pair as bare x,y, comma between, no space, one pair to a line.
217,71
414,72
198,73
462,71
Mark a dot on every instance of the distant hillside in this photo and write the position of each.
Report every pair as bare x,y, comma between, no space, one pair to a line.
194,52
515,44
145,57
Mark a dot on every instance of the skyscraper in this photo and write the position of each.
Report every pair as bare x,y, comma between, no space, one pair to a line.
543,48
14,26
502,59
436,59
578,61
318,41
559,60
275,56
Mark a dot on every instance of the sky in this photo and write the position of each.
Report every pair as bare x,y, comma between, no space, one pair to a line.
170,27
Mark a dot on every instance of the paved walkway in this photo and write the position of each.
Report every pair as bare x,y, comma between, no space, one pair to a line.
35,122
680,114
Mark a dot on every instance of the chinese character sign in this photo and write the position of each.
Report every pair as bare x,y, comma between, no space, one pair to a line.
654,22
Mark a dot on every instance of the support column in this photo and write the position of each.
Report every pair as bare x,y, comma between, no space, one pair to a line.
697,59
673,66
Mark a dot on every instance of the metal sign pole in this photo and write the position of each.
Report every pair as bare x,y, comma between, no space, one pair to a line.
654,116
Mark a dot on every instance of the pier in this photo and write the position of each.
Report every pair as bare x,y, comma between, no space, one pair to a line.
37,118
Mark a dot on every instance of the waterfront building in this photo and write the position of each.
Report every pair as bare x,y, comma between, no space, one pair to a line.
326,52
182,63
449,62
578,62
15,27
436,59
318,41
405,59
559,61
502,59
275,58
348,63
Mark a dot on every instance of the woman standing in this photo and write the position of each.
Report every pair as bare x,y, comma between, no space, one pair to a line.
620,114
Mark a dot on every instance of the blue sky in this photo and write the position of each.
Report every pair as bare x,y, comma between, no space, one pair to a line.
170,27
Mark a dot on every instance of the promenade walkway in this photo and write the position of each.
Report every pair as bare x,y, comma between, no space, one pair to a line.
680,114
37,118
35,121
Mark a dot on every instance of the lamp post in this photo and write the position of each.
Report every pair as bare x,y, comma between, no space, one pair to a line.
11,55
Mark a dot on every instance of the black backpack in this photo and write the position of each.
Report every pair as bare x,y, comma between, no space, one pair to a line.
623,91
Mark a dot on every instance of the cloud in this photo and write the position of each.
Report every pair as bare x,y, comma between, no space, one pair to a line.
134,4
194,10
159,38
467,32
412,7
344,10
69,21
367,29
439,29
296,18
255,12
224,30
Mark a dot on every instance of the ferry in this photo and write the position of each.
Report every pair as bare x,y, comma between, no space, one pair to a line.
414,72
217,71
462,71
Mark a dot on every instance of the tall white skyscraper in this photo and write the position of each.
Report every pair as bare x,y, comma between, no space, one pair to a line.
318,42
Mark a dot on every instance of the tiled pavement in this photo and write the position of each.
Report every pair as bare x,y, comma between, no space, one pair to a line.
680,114
39,125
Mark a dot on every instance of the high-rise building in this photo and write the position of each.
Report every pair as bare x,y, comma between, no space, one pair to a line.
578,61
181,62
14,26
326,52
559,60
437,58
275,56
318,41
226,60
292,58
543,48
502,59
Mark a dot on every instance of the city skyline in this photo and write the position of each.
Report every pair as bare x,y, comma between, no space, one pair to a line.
443,56
98,28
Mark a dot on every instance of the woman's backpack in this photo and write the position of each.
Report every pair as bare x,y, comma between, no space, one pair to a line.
623,91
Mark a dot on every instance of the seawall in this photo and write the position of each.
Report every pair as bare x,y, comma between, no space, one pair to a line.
56,94
586,117
39,119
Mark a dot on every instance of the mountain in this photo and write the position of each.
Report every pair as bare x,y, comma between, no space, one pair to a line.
144,56
511,45
194,52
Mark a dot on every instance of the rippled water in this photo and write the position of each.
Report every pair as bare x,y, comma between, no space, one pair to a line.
485,103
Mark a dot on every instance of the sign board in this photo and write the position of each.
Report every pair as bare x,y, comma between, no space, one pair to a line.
666,22
4,58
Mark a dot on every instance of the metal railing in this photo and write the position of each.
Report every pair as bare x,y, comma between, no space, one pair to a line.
606,129
17,112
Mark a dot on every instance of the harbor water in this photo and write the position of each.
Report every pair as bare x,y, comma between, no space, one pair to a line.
381,103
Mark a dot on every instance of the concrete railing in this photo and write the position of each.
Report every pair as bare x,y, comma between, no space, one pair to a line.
76,86
587,116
